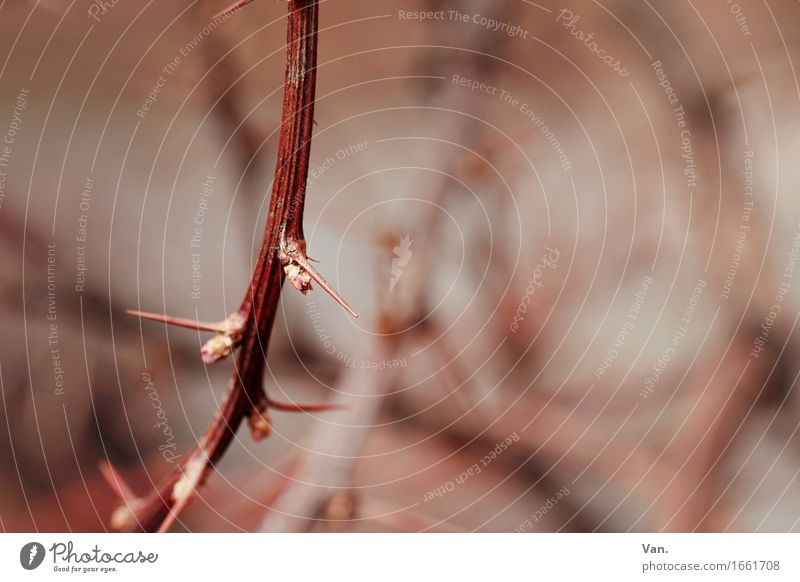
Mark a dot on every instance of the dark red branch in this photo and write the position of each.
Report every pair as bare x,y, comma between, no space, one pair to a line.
248,331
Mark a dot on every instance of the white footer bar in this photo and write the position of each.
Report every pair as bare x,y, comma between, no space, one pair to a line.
401,557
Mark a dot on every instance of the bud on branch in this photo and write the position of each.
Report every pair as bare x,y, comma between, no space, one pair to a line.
246,333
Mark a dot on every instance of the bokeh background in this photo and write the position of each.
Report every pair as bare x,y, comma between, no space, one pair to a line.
571,232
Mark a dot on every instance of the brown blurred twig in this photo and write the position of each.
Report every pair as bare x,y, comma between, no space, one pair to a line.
327,472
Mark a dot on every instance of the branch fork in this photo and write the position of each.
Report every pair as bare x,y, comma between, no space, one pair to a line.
246,333
300,272
229,332
228,338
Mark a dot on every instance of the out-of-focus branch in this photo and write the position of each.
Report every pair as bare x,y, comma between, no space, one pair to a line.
226,94
326,474
336,445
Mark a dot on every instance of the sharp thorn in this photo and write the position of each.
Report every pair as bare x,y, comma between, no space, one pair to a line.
116,482
179,321
308,268
296,407
172,516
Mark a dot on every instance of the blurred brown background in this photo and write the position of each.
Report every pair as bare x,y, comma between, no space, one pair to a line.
582,215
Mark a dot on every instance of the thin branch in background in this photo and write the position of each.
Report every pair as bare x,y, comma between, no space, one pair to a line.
246,333
226,93
404,520
327,472
332,449
232,8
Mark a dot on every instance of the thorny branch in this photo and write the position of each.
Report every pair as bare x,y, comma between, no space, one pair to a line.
246,332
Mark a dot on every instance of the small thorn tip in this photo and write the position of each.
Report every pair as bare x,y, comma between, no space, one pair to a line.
316,276
178,321
296,407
